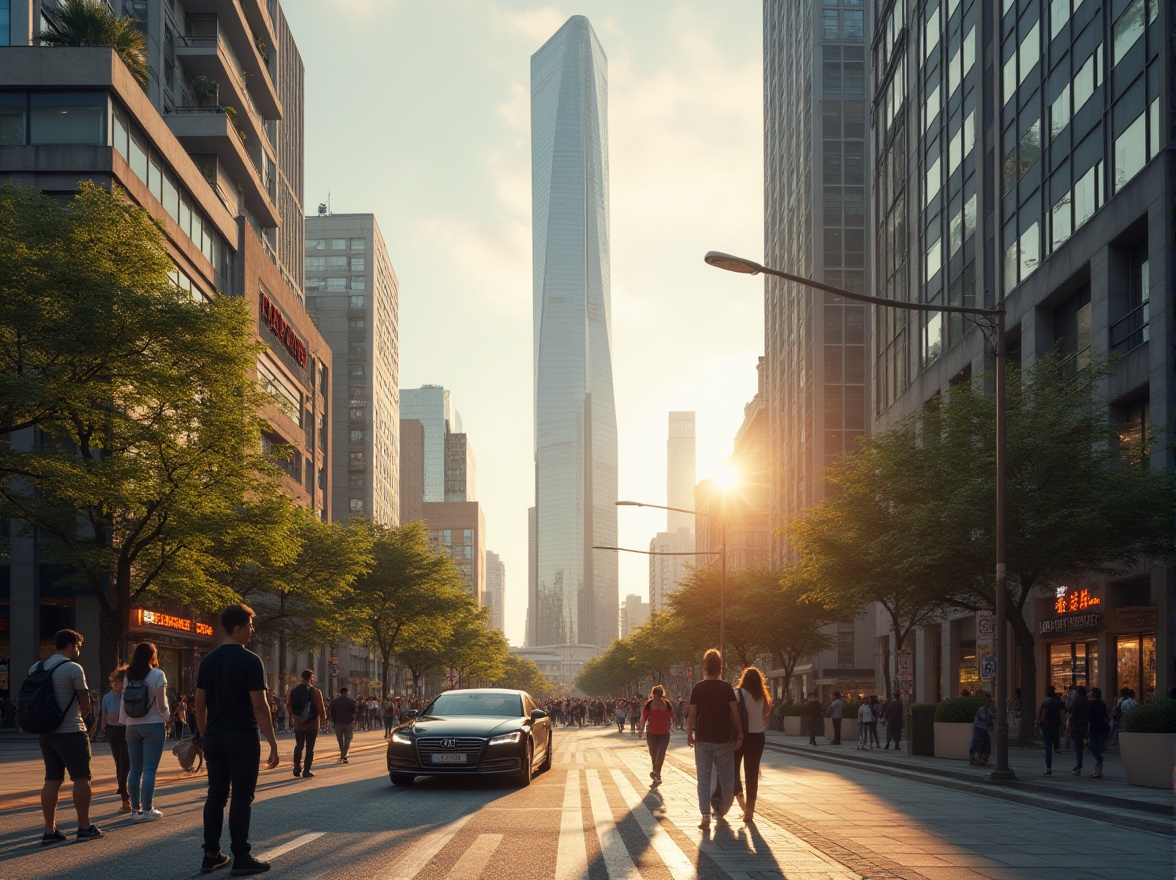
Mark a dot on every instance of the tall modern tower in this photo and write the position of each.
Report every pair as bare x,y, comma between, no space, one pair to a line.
680,476
574,598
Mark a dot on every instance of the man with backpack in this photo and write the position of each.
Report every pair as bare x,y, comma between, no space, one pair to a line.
53,704
305,705
342,715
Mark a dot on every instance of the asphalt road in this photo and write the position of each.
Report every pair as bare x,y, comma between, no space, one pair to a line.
594,815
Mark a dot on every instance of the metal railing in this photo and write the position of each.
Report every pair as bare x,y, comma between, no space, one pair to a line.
1131,330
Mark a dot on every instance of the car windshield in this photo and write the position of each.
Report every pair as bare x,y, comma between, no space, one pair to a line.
476,704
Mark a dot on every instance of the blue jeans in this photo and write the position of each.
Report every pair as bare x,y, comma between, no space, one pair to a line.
145,748
719,758
1051,736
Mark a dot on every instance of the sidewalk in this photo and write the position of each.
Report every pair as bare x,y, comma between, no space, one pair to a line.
1110,798
23,771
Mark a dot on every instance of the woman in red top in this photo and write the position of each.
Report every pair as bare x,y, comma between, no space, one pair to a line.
659,716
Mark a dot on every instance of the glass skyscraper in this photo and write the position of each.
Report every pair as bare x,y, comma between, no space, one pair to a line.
574,594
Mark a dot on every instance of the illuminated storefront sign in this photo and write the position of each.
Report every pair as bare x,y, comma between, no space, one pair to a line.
1069,600
280,327
144,617
1065,624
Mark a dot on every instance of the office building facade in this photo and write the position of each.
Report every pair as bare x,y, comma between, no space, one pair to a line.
494,595
458,528
461,473
210,180
412,470
574,597
1024,159
430,405
634,612
354,297
814,226
680,471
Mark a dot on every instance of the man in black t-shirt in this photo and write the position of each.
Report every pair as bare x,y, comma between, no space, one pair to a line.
713,715
231,705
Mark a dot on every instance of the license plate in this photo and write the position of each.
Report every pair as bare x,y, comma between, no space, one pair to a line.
455,758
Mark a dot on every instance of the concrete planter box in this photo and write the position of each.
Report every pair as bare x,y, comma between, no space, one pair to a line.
793,725
849,729
1148,758
952,739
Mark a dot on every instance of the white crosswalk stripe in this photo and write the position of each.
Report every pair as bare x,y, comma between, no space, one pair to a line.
571,861
418,857
662,843
617,860
289,846
475,859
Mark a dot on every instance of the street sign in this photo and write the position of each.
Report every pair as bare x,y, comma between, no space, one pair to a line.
334,666
988,667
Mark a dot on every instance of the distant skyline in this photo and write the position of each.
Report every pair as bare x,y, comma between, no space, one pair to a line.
419,113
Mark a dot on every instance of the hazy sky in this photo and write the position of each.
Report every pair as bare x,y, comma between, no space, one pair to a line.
419,112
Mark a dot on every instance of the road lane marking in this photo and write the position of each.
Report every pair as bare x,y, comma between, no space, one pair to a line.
417,858
616,856
290,845
678,863
475,859
571,861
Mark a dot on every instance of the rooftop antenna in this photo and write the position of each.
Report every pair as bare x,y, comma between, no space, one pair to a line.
324,208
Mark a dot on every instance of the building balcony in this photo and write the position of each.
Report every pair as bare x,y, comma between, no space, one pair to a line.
209,131
212,57
244,40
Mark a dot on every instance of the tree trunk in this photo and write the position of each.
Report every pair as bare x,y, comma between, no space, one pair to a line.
1026,646
385,671
112,630
281,664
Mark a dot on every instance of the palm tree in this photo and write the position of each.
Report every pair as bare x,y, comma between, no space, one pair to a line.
91,23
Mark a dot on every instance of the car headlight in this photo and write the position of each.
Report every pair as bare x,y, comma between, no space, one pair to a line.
403,738
507,738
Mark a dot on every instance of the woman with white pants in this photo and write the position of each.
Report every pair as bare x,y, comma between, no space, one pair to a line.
145,714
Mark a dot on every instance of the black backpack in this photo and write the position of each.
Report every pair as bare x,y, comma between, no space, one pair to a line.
302,711
36,704
137,699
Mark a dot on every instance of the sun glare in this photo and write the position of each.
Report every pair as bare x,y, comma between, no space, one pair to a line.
728,477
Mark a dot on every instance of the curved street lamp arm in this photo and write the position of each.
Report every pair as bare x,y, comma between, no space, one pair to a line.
660,553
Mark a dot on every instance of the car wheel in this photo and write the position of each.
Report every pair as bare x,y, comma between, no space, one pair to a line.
403,779
546,765
525,773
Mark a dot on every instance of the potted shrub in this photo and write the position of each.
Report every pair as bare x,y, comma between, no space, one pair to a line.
204,89
1147,743
953,726
794,716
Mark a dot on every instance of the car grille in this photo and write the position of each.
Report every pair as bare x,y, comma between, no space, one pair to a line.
501,765
430,745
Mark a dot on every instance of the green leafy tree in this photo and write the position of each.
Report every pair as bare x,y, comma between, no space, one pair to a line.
411,587
90,23
156,446
780,618
612,673
475,652
656,646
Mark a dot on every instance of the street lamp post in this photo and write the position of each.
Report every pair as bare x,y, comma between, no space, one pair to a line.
721,553
995,319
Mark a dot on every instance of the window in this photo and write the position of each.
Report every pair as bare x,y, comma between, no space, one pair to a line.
356,481
357,264
355,461
338,244
1131,330
357,435
336,285
316,264
358,392
336,262
1088,195
1028,148
1135,432
169,57
69,118
357,413
355,302
854,23
1088,79
316,244
1030,250
358,244
1010,268
1059,113
831,29
356,324
5,17
1059,14
934,175
1061,221
1072,331
356,350
931,34
934,258
1130,151
933,338
1030,51
1128,29
356,505
358,282
357,370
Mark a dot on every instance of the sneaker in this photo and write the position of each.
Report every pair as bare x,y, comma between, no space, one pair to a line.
126,805
91,833
306,774
51,837
1049,772
345,761
150,815
213,862
1077,771
136,815
297,772
705,823
244,866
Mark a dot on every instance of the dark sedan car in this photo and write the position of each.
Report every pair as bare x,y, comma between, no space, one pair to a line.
479,732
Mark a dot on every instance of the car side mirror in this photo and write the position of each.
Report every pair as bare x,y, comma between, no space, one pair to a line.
536,714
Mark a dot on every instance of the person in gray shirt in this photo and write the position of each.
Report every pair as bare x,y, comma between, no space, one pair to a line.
67,747
837,716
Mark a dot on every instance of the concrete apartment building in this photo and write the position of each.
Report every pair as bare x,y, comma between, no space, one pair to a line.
1026,154
226,191
354,297
459,528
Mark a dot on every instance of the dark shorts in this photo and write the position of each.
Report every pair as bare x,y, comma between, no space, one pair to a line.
65,751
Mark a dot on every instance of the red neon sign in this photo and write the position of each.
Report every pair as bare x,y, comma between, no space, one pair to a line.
281,328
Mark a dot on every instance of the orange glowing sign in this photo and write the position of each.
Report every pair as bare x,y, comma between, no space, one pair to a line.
1069,600
162,620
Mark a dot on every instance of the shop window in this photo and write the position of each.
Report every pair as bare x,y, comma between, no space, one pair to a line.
1135,665
969,672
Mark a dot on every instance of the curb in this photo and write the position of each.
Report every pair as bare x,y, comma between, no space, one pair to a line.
1141,816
